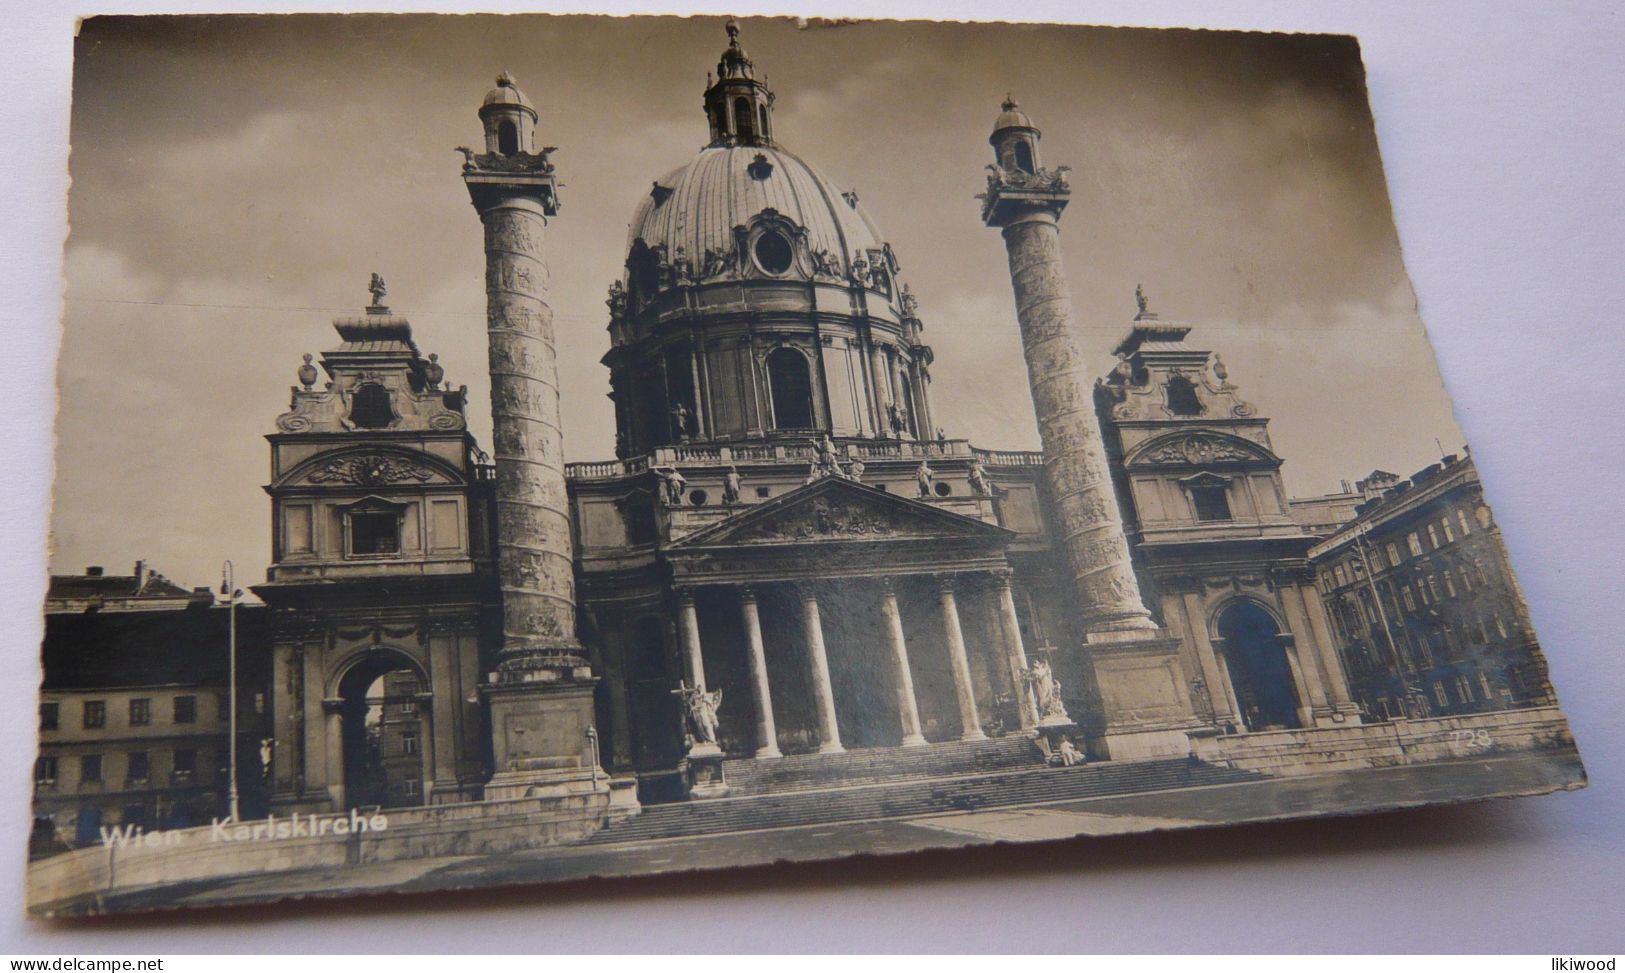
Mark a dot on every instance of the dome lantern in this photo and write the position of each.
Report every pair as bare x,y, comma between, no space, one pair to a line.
738,107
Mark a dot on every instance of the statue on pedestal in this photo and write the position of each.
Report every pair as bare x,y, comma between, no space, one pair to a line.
977,476
732,484
674,483
1046,691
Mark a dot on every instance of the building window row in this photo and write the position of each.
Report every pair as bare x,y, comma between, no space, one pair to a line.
93,713
137,768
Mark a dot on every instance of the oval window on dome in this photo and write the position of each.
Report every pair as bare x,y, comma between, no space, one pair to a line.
773,252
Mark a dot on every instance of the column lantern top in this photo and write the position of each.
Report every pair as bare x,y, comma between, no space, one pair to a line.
1018,186
512,165
738,106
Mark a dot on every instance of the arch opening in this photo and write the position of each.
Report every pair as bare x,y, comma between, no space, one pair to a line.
508,138
383,732
1260,672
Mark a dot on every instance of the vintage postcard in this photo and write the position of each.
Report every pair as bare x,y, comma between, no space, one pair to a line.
512,449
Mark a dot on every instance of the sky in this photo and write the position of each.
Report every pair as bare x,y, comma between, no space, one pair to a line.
236,181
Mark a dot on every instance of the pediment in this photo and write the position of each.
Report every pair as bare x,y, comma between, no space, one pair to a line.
1192,448
373,467
835,509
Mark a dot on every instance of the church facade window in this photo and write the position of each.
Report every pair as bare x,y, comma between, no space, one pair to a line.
370,408
789,377
1182,397
1212,503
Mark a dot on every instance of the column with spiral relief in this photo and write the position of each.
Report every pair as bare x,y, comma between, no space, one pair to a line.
540,691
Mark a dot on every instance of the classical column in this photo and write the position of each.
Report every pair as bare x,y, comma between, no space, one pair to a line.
1027,207
960,663
879,385
829,734
1303,647
1337,684
767,734
907,708
534,544
688,634
1010,626
1218,683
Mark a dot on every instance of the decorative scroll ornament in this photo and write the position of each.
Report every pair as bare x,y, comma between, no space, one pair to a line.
369,471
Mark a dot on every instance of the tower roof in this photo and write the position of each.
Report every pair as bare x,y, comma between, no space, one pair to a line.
506,94
1011,116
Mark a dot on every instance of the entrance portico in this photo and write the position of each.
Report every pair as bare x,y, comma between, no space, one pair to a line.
899,631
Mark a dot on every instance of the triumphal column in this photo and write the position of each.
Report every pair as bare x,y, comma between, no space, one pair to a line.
1135,666
541,691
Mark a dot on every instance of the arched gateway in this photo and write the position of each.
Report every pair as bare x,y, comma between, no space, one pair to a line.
1254,653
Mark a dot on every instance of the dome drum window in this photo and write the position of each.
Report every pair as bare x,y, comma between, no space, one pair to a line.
773,251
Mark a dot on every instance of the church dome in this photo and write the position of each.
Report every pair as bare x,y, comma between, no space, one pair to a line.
692,211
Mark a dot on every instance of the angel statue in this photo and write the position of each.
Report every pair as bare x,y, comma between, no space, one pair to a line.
376,287
701,708
1046,690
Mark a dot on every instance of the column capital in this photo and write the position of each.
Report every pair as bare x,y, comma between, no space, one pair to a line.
947,584
685,594
747,593
807,590
1002,577
886,585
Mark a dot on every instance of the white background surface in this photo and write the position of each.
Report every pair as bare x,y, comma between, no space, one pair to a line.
1503,133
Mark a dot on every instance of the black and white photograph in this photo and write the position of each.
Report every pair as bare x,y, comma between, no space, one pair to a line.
508,450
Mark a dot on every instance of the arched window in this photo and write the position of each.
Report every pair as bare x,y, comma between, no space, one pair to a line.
370,408
744,117
1024,157
764,121
907,405
507,138
790,379
1182,398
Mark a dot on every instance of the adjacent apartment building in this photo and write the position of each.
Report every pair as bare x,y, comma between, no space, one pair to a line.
1423,603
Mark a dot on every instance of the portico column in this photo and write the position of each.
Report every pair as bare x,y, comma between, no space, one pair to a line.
767,734
1010,624
688,634
829,734
1218,683
909,711
1337,685
960,663
1303,647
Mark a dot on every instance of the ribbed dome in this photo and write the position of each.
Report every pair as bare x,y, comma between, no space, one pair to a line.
1011,116
695,208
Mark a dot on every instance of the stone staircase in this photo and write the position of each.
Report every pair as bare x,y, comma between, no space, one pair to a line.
912,797
877,765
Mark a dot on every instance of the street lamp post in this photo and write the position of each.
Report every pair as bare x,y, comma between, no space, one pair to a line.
228,587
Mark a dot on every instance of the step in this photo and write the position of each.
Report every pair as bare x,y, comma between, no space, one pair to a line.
915,797
878,764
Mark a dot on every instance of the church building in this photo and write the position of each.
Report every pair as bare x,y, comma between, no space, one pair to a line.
790,574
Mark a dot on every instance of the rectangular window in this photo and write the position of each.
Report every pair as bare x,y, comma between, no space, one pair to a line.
1212,503
1433,537
1410,603
95,714
140,712
90,768
1433,586
1393,554
375,532
409,787
1449,585
45,770
1337,572
50,715
409,743
1441,694
1461,519
185,764
1501,626
138,767
1415,544
1484,686
185,709
1464,688
1449,535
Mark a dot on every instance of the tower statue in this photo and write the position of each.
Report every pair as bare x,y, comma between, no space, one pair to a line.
1025,200
541,691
